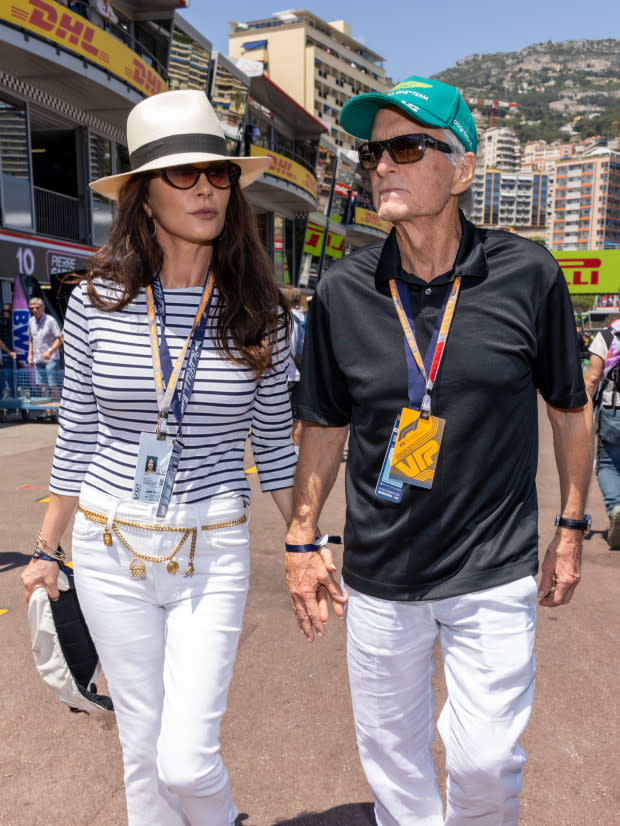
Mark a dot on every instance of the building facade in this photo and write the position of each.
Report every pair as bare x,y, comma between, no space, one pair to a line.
66,86
499,148
586,202
318,64
510,200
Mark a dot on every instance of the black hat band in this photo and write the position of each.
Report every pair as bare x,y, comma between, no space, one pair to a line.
175,145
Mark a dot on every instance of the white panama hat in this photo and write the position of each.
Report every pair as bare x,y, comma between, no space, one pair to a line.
175,128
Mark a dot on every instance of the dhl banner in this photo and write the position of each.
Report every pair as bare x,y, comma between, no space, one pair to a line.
56,23
590,271
368,218
314,241
288,170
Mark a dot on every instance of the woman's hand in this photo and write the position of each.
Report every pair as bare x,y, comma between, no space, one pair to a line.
41,574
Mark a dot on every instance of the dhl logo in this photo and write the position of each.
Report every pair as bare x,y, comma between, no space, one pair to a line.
72,28
53,22
140,75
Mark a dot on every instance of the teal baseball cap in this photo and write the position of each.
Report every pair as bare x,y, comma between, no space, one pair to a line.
427,101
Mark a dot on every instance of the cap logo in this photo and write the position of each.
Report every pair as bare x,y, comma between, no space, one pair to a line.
400,93
462,131
412,84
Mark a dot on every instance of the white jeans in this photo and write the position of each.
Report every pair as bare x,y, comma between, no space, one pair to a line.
487,641
167,645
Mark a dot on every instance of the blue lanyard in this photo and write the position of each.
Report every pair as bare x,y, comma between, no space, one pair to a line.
185,386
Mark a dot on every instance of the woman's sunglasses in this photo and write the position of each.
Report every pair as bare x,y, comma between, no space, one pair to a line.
219,175
403,149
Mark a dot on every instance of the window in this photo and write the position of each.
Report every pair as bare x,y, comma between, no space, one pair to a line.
17,211
100,157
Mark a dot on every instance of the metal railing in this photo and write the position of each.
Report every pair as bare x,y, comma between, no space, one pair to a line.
57,215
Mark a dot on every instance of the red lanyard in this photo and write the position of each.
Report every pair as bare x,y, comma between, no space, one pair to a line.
428,367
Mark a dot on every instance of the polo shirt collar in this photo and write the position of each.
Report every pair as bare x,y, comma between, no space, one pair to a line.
471,260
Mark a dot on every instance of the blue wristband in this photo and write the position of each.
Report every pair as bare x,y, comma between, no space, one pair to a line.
312,546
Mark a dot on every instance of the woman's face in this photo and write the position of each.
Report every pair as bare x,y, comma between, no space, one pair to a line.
193,216
150,465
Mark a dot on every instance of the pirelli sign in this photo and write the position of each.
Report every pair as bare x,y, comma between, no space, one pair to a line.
590,271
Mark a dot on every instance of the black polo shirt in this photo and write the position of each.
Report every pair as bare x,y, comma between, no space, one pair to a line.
513,333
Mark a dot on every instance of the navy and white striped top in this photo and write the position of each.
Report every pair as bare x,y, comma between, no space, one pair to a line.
109,398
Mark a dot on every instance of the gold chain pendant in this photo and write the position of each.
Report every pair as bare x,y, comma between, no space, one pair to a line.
137,568
107,537
172,566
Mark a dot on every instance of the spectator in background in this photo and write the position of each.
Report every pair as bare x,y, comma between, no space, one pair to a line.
603,384
45,343
293,296
101,13
6,350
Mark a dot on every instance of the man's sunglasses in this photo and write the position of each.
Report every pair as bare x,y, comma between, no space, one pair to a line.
403,149
219,175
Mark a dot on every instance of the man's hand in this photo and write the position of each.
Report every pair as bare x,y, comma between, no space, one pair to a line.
561,568
310,580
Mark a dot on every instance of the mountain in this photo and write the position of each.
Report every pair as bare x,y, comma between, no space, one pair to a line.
561,88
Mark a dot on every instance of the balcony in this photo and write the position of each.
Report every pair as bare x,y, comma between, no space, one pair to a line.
55,48
57,215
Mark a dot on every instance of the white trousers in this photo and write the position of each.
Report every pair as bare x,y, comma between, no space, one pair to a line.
167,645
487,642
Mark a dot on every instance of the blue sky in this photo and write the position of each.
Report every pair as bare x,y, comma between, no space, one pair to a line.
425,38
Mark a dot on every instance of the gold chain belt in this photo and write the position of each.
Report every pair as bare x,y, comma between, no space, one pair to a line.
136,566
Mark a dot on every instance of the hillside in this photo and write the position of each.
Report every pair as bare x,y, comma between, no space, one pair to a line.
564,87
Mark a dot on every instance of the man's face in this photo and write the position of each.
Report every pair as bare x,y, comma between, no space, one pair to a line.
36,309
402,192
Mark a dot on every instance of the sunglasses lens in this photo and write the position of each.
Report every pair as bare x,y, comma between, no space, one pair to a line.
221,175
370,155
407,148
181,177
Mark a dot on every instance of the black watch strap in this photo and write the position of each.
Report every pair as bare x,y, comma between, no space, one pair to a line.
574,524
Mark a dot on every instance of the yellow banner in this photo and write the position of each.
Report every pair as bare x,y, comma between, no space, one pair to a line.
288,170
57,24
314,241
368,218
590,271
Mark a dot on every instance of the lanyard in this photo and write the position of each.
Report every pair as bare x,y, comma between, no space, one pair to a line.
167,375
420,384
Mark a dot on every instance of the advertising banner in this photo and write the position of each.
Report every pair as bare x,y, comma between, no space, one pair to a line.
39,257
369,218
590,271
288,170
56,23
313,242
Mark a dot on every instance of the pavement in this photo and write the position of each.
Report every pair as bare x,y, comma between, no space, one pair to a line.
287,738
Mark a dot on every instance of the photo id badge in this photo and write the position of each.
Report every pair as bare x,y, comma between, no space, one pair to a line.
415,453
151,468
173,464
388,488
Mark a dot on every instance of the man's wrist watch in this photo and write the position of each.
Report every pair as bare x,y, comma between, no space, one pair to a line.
574,524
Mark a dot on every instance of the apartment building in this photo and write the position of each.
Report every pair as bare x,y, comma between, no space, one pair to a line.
319,64
586,202
499,148
510,200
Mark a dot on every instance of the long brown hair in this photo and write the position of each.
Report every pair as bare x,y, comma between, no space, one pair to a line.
248,315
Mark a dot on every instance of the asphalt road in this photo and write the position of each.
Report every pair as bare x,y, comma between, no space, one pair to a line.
288,739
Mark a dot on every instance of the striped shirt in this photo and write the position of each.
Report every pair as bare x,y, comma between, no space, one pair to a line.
109,399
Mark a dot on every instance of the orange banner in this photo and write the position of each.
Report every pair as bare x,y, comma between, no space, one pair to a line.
368,218
288,170
57,24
